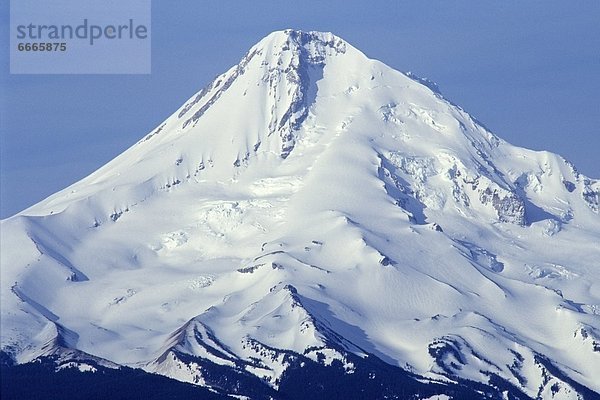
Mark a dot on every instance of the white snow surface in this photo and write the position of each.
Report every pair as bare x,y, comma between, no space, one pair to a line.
311,190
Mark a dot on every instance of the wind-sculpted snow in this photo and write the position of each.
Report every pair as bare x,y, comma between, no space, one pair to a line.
313,210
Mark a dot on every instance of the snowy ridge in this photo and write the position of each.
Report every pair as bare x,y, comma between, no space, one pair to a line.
291,330
311,202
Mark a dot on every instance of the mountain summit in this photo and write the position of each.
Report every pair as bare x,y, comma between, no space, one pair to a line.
310,214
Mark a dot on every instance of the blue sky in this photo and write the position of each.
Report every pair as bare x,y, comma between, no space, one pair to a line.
530,71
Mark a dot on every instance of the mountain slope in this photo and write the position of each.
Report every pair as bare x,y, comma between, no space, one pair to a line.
311,201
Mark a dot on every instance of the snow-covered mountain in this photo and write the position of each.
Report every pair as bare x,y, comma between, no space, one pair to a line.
312,207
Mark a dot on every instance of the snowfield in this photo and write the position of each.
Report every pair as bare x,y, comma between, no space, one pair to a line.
313,201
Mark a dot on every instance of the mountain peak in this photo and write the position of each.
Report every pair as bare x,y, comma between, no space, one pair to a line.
279,74
312,45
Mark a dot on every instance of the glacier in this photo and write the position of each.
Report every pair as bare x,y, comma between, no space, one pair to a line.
312,205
